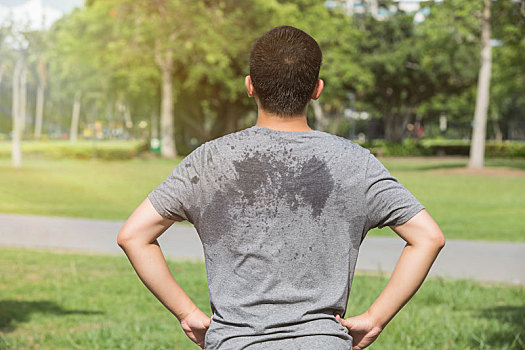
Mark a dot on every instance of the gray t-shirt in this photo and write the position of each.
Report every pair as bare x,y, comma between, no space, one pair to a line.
281,216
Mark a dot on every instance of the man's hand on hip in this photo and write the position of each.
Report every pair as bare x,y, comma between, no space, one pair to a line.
195,325
362,329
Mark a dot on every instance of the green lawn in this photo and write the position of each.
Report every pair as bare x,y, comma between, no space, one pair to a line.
66,300
80,188
465,206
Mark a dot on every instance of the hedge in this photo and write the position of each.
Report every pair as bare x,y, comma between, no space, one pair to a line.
82,149
115,150
432,147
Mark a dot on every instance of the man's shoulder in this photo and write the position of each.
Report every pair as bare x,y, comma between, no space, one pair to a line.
345,144
335,142
228,139
216,144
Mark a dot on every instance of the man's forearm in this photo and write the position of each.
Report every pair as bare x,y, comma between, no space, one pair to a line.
408,275
151,267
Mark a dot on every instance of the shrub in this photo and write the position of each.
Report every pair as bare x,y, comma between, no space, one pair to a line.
444,147
408,147
83,149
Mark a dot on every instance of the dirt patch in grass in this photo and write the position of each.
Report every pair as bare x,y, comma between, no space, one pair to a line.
498,172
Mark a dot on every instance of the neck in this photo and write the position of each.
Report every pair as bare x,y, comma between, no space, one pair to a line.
272,121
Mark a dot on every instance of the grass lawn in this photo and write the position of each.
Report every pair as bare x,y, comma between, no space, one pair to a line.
465,206
67,300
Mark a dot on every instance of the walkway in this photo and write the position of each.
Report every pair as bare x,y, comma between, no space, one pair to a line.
482,261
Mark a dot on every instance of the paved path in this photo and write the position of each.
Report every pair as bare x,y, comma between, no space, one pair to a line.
482,261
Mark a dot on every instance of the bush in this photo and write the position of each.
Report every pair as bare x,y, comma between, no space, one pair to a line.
408,147
444,147
507,149
83,149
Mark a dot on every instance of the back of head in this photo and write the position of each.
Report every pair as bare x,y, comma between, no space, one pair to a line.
284,68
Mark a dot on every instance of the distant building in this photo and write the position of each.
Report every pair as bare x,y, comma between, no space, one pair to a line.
352,7
35,14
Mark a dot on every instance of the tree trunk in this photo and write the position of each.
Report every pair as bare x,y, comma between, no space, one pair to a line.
395,124
321,122
226,121
39,109
497,130
129,121
16,151
73,134
23,99
40,98
477,146
164,60
2,67
154,125
124,114
219,124
167,140
110,119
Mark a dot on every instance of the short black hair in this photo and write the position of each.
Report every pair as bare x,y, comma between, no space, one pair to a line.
284,68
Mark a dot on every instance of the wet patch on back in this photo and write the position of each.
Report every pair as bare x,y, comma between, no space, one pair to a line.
265,177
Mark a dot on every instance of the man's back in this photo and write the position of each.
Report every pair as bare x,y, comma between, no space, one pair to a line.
281,216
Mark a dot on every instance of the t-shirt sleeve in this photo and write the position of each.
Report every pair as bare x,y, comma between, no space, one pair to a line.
174,196
388,202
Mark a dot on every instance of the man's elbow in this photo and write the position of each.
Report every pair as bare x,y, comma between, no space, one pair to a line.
437,239
125,238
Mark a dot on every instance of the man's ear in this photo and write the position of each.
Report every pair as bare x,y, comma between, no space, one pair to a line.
249,86
319,86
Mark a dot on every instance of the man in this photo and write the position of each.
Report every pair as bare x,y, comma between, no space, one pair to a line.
281,211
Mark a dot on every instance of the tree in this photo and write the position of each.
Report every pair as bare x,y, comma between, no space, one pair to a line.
37,44
19,91
477,147
393,56
416,65
17,111
169,32
74,69
185,61
507,91
343,68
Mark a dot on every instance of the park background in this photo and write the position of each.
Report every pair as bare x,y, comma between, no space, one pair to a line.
99,100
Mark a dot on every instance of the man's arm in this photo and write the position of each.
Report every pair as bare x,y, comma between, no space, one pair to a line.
424,242
138,239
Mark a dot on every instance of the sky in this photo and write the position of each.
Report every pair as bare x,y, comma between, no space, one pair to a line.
37,14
